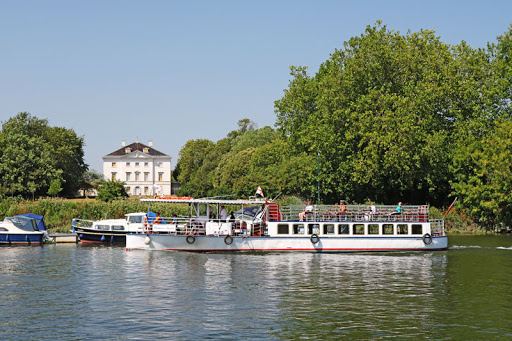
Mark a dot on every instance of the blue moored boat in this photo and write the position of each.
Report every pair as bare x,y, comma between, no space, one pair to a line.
23,229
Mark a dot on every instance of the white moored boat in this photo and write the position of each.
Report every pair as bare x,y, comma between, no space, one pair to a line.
263,226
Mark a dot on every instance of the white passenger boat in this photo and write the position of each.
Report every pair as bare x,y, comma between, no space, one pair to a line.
263,226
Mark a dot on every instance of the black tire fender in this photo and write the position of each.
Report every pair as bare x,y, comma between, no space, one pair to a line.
228,240
314,238
427,239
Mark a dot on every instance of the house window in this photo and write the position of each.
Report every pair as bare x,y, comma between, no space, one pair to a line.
137,176
128,150
146,176
127,189
136,164
146,164
128,175
159,164
113,164
127,164
146,190
146,150
160,176
114,175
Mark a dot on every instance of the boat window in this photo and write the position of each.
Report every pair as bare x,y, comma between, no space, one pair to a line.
387,228
416,229
329,229
136,219
3,229
298,228
358,229
343,229
402,229
283,229
117,227
103,227
313,228
373,229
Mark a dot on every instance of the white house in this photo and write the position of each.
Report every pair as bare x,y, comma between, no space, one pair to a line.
145,170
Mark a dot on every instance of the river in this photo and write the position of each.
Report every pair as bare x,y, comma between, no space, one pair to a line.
74,292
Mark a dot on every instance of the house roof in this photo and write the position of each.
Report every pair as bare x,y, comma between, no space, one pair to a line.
134,147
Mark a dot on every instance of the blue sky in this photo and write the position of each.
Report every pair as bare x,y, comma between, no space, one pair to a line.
170,71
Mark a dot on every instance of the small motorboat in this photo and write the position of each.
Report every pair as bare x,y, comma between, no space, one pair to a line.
23,229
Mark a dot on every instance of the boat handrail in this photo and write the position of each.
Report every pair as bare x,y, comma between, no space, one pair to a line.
355,213
437,227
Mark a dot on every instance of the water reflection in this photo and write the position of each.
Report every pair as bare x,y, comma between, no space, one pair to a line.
76,292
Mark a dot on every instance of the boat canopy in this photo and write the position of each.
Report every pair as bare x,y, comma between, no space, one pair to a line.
208,201
38,218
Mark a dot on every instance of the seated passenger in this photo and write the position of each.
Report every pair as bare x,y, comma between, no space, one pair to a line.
398,209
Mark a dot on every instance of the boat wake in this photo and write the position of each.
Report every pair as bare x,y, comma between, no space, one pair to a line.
504,248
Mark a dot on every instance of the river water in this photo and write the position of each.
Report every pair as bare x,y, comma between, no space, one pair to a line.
73,292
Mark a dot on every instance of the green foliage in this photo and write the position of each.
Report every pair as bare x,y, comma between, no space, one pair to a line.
112,190
33,154
55,188
387,118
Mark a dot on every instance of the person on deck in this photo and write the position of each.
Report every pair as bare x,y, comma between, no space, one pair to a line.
398,209
307,210
223,213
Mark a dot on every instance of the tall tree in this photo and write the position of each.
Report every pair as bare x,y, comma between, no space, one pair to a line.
380,114
33,154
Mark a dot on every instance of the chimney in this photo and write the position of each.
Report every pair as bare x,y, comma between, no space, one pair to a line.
150,143
123,143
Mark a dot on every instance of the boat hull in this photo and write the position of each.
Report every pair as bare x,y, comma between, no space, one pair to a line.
21,238
171,242
98,236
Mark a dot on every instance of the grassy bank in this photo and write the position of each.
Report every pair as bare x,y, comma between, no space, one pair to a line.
58,213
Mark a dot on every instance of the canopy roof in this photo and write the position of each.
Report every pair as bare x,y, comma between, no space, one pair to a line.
208,201
39,220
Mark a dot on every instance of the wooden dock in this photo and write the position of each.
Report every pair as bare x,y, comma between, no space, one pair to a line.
64,237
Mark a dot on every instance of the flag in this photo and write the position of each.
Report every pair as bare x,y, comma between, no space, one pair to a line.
259,191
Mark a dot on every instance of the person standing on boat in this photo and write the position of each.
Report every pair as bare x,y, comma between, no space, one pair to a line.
223,213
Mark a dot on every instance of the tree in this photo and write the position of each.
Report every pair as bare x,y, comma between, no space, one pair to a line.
55,188
381,115
35,153
112,190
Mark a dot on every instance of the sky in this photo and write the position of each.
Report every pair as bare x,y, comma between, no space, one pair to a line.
171,71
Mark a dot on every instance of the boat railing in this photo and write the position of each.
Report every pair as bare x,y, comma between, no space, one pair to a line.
81,222
355,213
175,225
437,227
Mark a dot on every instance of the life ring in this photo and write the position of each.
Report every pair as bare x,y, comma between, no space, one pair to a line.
228,240
427,239
191,239
314,238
